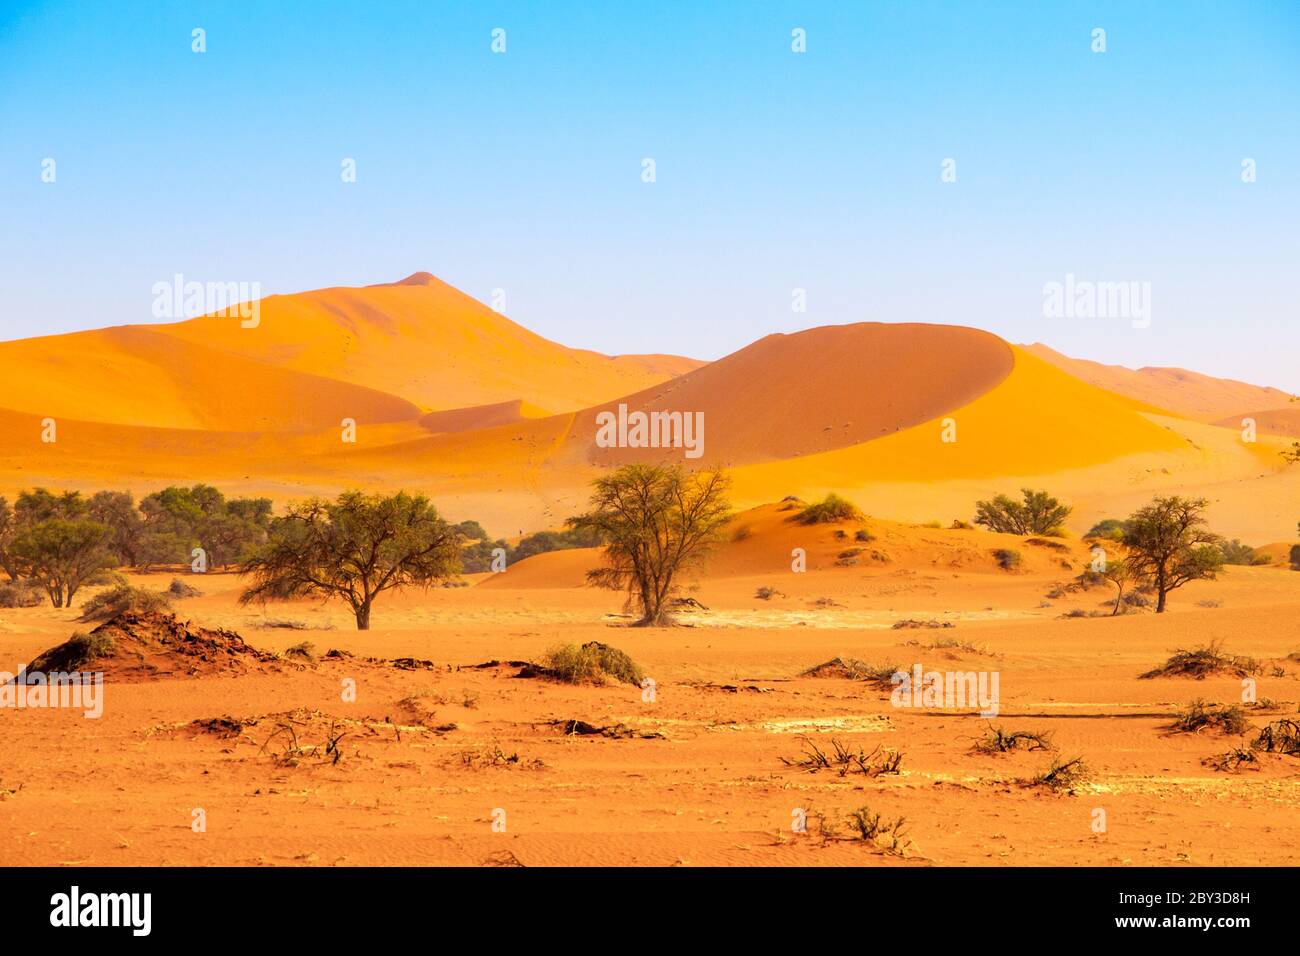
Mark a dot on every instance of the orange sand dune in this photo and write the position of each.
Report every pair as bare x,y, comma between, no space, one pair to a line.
1192,394
134,375
858,409
479,416
427,342
820,389
1038,421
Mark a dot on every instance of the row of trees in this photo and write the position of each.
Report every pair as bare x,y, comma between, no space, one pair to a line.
1165,544
654,522
65,541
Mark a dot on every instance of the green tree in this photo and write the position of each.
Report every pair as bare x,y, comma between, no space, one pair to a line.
62,554
179,519
1039,513
655,522
8,530
116,511
1121,573
1110,528
41,504
353,548
1169,545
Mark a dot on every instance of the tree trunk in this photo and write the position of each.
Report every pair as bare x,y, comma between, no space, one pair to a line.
1160,601
363,617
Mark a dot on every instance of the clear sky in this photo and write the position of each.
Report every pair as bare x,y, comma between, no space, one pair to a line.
775,170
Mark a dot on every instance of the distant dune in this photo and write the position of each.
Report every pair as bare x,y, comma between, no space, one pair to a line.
1192,394
134,375
821,389
1269,421
429,343
914,421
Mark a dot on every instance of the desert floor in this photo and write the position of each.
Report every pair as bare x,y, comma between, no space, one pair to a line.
429,755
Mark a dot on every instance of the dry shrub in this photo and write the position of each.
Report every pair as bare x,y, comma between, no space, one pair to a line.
1203,662
999,741
591,663
1200,715
830,509
123,598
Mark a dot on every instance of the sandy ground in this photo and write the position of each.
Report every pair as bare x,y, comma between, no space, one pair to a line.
430,759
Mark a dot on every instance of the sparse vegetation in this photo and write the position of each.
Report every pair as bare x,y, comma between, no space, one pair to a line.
1201,715
1062,775
844,759
1203,662
850,668
179,589
1000,741
1234,552
1169,546
830,509
1110,529
61,554
1038,514
353,548
74,653
766,593
888,835
1280,737
1008,559
591,663
1120,573
656,522
21,594
1233,760
305,652
1047,543
122,598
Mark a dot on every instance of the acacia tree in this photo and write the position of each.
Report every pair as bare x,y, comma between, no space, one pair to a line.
1039,513
1169,545
1120,573
353,548
116,511
655,521
8,530
62,554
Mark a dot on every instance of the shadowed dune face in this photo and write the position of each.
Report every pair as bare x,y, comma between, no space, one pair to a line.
429,343
479,416
814,391
133,375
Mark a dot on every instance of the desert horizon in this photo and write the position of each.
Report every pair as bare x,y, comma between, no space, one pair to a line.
772,696
465,460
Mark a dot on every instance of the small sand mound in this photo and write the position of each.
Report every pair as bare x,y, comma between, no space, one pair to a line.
142,646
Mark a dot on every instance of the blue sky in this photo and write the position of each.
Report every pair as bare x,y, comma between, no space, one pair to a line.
775,170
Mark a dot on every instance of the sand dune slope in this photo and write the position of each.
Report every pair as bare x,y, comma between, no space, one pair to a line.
1270,421
429,343
1191,394
820,389
133,375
